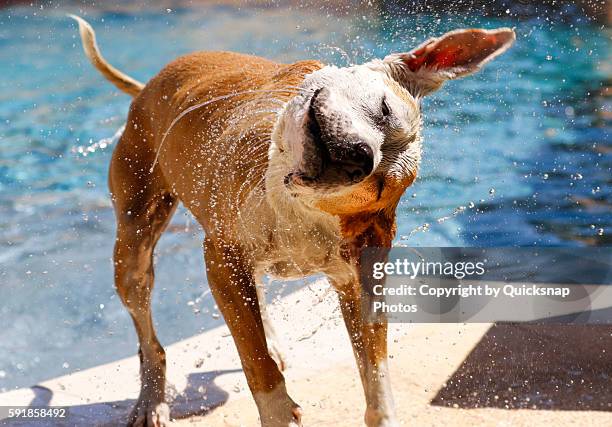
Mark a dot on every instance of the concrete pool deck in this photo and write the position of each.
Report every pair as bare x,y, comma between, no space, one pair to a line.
442,374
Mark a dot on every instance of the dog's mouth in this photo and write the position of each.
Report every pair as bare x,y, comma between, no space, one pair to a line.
328,162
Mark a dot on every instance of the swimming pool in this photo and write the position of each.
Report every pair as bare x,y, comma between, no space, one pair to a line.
519,154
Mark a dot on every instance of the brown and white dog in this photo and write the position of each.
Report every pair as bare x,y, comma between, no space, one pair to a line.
291,170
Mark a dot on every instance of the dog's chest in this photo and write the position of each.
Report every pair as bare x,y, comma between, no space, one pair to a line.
301,246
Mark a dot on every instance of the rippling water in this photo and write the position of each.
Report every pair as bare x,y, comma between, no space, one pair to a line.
520,153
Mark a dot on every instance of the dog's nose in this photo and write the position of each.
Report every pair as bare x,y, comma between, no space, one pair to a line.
355,160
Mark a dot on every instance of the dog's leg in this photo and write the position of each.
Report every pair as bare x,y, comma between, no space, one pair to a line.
136,238
232,284
143,210
271,338
369,339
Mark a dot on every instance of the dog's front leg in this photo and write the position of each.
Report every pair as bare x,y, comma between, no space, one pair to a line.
271,338
232,284
368,336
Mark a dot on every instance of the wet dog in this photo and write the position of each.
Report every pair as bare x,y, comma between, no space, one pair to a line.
291,170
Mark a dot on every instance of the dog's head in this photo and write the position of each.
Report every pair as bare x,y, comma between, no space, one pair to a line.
349,142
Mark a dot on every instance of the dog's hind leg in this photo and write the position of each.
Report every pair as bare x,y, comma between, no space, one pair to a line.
232,283
143,209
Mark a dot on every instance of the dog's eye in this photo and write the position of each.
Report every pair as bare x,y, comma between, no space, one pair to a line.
385,108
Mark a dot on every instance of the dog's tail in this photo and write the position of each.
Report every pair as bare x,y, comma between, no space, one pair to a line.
88,37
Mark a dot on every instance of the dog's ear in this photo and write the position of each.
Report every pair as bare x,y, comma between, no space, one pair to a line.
455,54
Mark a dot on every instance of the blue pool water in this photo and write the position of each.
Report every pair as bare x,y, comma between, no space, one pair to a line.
523,147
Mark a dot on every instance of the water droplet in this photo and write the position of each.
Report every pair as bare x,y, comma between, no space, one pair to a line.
492,191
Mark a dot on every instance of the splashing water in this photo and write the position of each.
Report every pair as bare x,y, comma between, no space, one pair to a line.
101,144
210,101
427,226
343,53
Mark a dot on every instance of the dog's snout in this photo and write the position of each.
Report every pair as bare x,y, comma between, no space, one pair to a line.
342,153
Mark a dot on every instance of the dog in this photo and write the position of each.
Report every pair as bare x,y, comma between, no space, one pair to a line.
291,170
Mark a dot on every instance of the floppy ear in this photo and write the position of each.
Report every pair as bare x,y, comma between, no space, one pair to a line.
455,54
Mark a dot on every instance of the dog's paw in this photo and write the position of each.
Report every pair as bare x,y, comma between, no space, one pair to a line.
149,415
277,409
